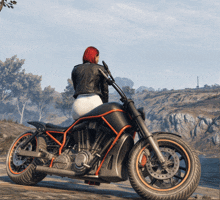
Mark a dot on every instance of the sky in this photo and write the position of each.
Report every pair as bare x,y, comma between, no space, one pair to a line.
159,44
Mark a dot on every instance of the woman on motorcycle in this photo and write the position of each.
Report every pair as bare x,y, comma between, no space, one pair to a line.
91,88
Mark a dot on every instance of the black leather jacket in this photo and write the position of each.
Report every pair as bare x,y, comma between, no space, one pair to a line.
87,79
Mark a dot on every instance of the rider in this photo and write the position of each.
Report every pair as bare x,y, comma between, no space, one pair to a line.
91,88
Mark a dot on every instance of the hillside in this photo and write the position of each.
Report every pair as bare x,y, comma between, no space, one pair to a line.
8,132
194,114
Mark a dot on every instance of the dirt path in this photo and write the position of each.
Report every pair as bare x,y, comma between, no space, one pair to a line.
53,187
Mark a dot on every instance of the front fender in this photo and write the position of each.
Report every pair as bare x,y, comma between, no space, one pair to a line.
161,132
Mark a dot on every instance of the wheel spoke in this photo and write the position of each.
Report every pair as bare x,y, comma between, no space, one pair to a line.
153,181
183,168
179,177
18,168
172,182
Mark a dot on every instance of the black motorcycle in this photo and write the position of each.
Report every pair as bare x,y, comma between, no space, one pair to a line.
99,148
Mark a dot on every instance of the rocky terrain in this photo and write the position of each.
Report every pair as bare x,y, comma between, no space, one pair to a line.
192,113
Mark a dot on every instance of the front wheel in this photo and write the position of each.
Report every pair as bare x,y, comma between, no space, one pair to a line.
176,180
21,169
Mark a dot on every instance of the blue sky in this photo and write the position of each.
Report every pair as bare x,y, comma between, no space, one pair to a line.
159,44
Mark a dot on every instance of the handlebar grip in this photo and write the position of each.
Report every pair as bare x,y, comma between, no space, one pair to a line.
106,68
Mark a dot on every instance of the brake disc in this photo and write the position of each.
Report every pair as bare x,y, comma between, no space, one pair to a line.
20,160
171,165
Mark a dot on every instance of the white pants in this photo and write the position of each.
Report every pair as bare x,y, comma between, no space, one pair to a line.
84,103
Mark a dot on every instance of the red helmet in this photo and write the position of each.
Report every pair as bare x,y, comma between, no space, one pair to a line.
90,55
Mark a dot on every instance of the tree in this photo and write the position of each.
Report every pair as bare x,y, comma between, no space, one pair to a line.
128,91
41,98
26,87
206,86
66,101
122,82
9,69
8,4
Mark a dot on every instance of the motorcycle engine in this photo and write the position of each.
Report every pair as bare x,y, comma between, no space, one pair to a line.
77,162
64,161
88,148
82,159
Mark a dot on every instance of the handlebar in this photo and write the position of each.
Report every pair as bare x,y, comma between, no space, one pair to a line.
111,81
106,67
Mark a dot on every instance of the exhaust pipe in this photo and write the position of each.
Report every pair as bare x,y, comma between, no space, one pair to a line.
69,174
29,153
55,171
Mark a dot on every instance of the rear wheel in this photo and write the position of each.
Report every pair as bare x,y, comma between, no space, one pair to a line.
178,179
21,169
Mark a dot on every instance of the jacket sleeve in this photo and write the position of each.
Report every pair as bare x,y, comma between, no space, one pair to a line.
104,89
73,79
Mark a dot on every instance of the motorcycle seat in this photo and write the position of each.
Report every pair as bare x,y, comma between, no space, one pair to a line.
103,109
54,127
41,126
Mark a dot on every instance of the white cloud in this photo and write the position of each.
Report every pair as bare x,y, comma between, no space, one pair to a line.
126,22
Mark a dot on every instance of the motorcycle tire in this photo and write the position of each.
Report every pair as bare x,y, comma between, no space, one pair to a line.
21,169
178,180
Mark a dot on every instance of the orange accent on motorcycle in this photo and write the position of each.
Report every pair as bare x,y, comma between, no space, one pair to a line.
113,143
110,126
51,163
54,137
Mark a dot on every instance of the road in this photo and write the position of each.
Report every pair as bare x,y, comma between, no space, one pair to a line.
53,187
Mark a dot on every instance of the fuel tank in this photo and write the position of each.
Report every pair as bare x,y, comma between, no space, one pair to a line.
112,113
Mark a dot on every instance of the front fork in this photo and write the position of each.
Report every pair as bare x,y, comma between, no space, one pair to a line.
144,132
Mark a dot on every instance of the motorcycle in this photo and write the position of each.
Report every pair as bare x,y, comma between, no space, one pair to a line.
99,148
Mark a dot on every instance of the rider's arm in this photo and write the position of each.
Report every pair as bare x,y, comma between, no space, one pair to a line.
104,89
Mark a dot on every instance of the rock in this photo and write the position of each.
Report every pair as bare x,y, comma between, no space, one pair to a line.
189,119
207,120
198,196
200,128
217,122
4,136
216,139
197,131
179,118
203,125
213,129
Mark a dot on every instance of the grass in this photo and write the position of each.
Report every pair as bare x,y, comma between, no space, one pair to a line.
9,120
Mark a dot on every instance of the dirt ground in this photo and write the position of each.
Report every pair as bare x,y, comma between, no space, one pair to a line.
53,187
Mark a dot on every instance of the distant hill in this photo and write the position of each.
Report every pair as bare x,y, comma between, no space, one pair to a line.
192,113
143,88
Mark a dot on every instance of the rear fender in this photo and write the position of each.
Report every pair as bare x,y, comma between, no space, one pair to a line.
40,126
